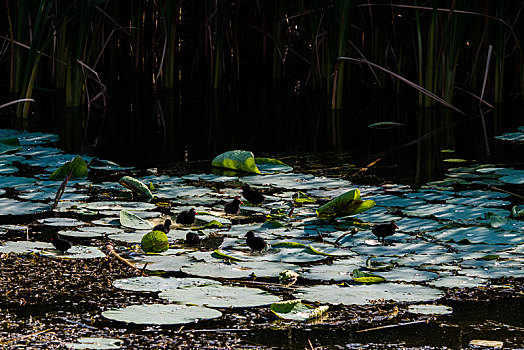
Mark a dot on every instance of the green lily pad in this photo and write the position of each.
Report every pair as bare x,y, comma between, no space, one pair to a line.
10,206
348,203
170,314
220,296
24,247
131,220
237,160
95,343
296,310
136,186
302,198
364,277
8,144
78,167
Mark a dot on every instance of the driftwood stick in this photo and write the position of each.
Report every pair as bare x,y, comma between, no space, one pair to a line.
508,192
121,259
367,166
25,336
61,189
391,326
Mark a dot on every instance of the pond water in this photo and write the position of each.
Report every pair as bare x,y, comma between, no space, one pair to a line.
459,244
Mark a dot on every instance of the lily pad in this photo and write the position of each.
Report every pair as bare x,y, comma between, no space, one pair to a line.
296,310
346,204
237,160
384,125
220,296
131,220
271,166
363,294
430,309
8,144
78,167
161,314
158,284
10,206
136,186
95,343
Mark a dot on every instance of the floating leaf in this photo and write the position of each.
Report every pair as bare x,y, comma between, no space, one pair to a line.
280,245
136,186
296,310
348,203
220,296
131,220
288,277
362,294
78,167
154,242
214,224
454,160
430,309
237,160
170,314
271,166
495,344
95,343
384,125
364,277
302,198
221,255
375,265
272,224
8,144
158,284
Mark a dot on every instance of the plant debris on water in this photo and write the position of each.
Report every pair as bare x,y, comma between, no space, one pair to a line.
451,273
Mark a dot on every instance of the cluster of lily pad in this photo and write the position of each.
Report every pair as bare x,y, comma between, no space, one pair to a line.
446,238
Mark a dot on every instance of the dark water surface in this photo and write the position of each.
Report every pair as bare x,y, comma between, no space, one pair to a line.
146,130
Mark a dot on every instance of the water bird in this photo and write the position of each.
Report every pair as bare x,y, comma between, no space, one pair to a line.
192,238
60,243
384,230
233,207
254,242
165,227
186,217
252,196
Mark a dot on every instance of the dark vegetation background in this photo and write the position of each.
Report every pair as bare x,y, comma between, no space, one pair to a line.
202,77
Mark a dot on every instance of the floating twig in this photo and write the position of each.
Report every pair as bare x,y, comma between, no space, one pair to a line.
352,233
121,259
367,166
25,336
391,326
61,189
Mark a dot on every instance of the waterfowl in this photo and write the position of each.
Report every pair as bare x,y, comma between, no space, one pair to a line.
233,207
252,196
384,230
165,227
192,238
186,217
61,244
254,242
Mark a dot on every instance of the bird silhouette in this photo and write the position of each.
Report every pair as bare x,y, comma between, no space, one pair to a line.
233,207
165,227
192,238
252,196
61,244
254,242
186,217
384,230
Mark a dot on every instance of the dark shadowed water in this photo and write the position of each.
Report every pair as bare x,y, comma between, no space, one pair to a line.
146,130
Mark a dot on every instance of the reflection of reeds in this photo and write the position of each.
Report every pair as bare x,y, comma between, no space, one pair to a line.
79,46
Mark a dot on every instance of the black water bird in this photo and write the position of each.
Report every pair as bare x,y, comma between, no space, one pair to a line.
384,230
192,238
254,242
233,207
60,243
252,196
186,217
165,227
